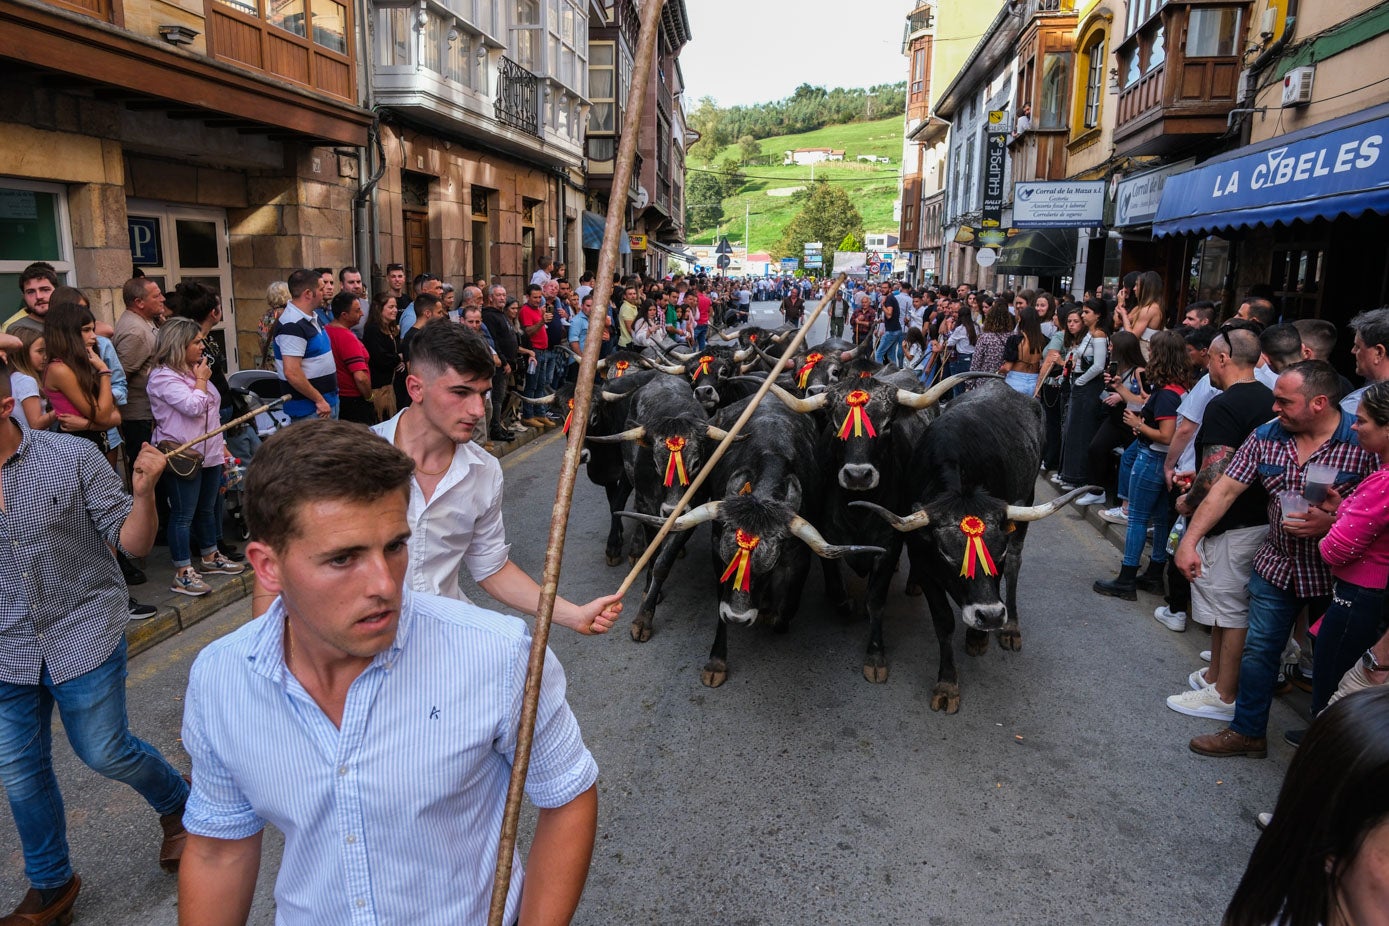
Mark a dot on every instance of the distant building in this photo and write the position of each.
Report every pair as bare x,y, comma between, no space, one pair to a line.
805,156
874,158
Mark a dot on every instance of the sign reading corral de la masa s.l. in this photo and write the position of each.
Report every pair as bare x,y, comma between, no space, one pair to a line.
1058,204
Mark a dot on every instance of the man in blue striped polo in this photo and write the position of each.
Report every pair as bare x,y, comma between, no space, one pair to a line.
375,727
304,354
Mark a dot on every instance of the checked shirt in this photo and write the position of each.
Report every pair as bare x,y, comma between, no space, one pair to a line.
1269,454
64,603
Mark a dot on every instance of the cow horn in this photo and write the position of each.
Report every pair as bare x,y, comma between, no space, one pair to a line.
719,433
602,365
813,404
543,400
910,523
747,367
778,338
937,392
807,532
709,511
636,433
743,353
682,356
674,369
724,336
1037,512
857,350
570,351
607,396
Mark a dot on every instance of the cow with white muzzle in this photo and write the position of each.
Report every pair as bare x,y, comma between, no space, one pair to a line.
762,531
970,507
871,427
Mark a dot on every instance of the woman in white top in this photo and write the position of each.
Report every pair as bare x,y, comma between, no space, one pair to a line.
28,365
1087,361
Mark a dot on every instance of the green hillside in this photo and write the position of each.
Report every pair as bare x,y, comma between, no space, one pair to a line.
873,187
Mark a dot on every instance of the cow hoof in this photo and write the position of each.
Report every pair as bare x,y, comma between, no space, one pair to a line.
633,557
976,642
1010,638
875,669
945,697
913,590
714,674
614,559
641,630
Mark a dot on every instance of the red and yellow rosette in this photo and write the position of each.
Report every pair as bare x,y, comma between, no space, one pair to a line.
752,339
857,419
569,417
740,566
975,551
675,466
803,373
702,368
619,368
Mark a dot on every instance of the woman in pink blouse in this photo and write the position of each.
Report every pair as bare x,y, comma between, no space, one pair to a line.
1357,549
185,406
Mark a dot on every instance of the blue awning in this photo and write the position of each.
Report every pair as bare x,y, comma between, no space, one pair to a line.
1335,168
594,225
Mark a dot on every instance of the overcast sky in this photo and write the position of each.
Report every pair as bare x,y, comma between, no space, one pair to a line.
755,51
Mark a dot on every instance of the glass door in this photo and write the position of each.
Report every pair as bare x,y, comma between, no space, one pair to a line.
171,244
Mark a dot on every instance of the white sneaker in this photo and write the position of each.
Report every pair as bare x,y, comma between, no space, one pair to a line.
1055,477
1090,498
1172,620
1197,680
1203,702
1115,515
1206,655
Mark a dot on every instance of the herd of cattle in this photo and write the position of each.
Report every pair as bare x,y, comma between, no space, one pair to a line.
851,461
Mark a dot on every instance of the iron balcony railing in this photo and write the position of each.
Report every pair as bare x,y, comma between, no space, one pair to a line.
517,95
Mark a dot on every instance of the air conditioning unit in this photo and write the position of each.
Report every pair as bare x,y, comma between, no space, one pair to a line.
1297,87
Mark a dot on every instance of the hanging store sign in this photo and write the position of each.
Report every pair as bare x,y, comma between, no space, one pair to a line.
1136,199
995,160
1059,204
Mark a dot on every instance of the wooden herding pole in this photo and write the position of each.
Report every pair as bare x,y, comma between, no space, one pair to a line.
569,469
708,466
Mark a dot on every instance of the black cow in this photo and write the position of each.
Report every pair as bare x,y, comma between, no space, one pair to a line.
712,372
864,451
772,491
662,452
817,368
976,475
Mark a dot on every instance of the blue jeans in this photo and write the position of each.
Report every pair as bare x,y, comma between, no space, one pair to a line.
93,712
1352,624
890,347
701,336
1126,467
538,383
194,504
1271,613
1147,503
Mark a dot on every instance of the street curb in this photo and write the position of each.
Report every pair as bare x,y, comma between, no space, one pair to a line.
177,612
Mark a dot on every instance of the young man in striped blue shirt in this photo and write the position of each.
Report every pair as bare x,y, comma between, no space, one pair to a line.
304,354
375,728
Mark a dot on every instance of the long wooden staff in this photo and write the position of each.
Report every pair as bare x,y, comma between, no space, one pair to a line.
569,469
230,424
708,466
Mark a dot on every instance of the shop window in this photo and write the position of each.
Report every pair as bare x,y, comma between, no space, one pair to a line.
1212,32
1094,82
481,244
33,226
1209,271
1297,280
1051,109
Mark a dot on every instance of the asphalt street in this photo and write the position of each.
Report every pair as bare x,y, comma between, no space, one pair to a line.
1062,792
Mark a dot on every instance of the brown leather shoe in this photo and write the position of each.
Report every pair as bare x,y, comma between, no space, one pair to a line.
1229,743
31,911
171,849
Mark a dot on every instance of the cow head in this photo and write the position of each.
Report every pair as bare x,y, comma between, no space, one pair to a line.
969,534
821,367
753,537
708,370
677,447
862,413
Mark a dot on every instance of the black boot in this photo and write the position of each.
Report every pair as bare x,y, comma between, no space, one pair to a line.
132,573
1125,586
1151,580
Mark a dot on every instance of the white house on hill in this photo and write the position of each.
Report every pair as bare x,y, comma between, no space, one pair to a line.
813,156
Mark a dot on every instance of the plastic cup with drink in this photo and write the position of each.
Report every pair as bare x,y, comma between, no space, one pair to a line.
1320,477
1292,502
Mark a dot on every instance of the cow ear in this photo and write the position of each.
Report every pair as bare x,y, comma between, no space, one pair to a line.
1009,526
793,493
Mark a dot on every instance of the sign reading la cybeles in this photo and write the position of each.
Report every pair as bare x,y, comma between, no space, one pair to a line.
995,153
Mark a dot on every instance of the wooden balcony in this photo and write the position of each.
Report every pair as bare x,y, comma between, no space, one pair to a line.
233,35
1178,103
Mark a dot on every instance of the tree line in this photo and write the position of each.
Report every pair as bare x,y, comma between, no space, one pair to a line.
806,109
